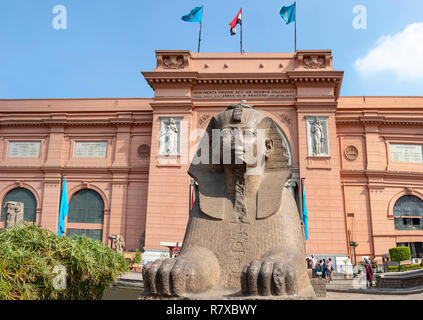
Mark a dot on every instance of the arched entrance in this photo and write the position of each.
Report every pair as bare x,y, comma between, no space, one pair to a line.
86,214
408,215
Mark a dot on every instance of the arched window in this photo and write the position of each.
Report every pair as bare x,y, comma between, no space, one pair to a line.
27,198
86,207
408,213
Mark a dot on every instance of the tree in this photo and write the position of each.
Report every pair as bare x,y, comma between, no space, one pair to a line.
400,254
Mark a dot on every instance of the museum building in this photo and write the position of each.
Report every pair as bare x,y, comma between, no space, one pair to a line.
362,170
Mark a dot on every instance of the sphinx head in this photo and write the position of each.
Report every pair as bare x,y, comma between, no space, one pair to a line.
244,137
241,137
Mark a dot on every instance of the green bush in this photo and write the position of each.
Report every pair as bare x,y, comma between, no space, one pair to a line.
408,267
137,257
29,254
400,254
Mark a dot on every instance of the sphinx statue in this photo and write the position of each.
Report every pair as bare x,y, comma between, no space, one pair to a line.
244,231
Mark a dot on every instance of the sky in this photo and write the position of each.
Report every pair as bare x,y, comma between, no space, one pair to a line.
104,45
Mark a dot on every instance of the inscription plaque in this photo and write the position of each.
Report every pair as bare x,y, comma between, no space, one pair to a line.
406,153
24,149
270,93
90,149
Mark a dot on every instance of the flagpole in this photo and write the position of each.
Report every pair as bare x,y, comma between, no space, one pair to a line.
295,10
60,199
301,197
302,206
242,18
199,35
61,190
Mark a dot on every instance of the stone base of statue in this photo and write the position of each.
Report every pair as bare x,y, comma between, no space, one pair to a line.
215,294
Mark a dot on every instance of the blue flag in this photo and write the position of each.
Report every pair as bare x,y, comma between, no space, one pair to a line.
288,13
194,16
63,211
304,215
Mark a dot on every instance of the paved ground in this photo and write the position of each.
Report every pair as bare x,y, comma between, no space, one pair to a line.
133,275
130,285
362,296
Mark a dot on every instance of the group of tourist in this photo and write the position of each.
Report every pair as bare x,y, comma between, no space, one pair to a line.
322,269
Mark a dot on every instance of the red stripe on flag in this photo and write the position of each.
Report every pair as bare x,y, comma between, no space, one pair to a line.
236,20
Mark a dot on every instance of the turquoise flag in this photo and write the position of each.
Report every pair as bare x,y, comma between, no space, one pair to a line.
63,211
288,13
194,16
305,214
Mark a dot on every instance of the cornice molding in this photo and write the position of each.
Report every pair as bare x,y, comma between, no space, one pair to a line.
70,123
381,120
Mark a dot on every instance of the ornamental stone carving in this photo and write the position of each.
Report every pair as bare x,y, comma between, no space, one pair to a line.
314,62
244,232
351,153
203,119
14,213
285,118
144,151
173,62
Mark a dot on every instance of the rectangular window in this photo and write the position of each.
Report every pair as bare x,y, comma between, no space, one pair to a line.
24,149
90,233
406,153
90,149
408,224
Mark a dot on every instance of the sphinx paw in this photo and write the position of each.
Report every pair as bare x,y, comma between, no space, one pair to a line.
172,277
269,276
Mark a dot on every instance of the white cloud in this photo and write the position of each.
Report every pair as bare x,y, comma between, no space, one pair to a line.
401,53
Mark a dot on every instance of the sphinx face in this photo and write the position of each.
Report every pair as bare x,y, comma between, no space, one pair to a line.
244,145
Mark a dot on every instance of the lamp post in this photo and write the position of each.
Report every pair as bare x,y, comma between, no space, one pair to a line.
354,245
112,238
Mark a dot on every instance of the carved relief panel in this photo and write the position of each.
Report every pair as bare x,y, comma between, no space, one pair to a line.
169,136
317,136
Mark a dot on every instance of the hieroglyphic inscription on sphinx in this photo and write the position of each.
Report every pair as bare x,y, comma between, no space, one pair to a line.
244,232
238,252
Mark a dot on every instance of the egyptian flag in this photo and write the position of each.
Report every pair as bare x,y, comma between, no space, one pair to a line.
192,195
237,20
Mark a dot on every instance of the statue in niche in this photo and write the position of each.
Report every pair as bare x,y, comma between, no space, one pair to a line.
318,137
244,233
14,213
170,134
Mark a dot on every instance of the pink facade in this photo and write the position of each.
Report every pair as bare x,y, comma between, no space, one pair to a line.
351,187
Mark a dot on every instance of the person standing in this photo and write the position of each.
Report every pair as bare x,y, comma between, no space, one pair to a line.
319,270
330,269
369,272
313,266
325,269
